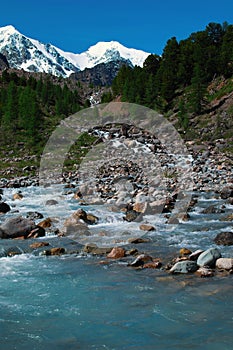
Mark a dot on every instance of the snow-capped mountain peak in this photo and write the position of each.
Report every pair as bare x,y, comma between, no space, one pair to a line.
104,52
8,30
32,55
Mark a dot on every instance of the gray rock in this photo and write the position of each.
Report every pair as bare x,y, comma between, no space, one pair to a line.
131,215
226,192
208,257
51,202
184,267
92,248
224,238
224,263
212,210
20,227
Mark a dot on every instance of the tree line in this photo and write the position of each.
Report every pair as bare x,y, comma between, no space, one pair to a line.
184,69
30,108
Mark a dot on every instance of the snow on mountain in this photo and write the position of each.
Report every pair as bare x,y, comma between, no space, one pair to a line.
104,52
32,55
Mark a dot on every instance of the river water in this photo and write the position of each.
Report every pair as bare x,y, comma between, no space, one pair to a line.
74,302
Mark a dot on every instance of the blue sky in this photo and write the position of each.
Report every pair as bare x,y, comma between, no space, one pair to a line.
75,25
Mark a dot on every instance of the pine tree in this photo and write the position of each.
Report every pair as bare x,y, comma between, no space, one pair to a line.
10,110
168,69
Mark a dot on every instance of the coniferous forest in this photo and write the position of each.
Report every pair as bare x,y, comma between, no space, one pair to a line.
181,76
31,107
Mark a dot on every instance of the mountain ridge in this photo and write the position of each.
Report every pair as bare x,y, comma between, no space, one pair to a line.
32,55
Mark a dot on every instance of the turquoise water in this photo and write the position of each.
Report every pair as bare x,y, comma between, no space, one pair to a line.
74,302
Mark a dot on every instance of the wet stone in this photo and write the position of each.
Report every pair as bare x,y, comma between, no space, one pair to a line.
204,272
208,257
4,208
116,253
224,238
184,267
224,263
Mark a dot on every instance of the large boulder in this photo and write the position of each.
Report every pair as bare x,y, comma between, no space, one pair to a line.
185,266
224,263
4,208
208,257
20,227
224,238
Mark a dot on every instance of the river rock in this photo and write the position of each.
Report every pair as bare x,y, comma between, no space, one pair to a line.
132,251
208,257
146,227
37,245
45,223
21,227
131,215
57,251
194,256
155,264
4,208
177,217
88,218
185,252
142,208
141,260
212,210
205,272
230,201
116,253
137,240
51,202
184,267
54,251
173,221
226,192
18,196
92,248
227,218
224,238
75,230
224,263
91,219
78,195
34,215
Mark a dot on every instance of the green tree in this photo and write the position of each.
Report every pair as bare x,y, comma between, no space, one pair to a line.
226,53
198,90
183,117
151,64
10,110
168,69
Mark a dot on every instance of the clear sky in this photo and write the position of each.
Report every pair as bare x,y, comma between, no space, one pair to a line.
75,25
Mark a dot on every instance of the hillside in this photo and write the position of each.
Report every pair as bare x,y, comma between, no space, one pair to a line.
191,84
